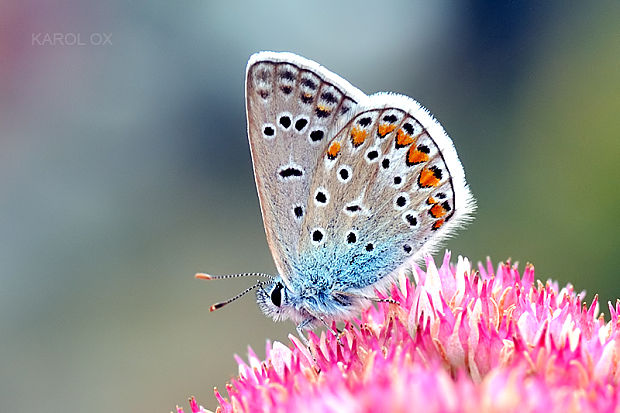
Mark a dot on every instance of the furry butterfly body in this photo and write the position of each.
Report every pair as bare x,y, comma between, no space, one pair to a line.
351,187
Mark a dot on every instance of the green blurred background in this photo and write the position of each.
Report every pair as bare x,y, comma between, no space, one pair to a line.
125,169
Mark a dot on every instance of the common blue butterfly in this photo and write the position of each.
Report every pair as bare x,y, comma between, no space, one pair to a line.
352,188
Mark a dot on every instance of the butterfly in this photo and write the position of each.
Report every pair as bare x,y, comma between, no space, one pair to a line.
352,188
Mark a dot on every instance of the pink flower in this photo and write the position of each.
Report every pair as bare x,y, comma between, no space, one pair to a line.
460,340
194,407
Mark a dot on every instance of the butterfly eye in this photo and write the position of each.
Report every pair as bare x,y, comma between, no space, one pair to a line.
276,295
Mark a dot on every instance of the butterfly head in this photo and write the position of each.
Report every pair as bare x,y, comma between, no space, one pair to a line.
274,298
277,301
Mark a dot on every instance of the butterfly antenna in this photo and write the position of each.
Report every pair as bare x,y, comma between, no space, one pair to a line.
241,294
202,276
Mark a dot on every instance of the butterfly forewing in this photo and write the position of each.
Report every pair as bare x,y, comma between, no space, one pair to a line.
294,109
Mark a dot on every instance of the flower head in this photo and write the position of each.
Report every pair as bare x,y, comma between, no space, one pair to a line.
460,340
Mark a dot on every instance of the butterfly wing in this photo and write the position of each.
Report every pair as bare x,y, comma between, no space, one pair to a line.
388,187
294,108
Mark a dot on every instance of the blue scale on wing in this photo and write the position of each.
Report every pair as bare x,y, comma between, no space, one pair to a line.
334,267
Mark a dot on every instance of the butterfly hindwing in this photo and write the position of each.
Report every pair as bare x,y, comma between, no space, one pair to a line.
388,186
294,109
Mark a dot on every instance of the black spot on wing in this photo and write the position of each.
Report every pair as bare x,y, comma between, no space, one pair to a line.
316,135
298,211
351,237
300,124
287,74
413,221
321,197
364,121
308,83
289,172
329,97
285,121
321,113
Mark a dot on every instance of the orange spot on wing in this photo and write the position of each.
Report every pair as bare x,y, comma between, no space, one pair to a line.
431,200
437,211
414,156
384,129
428,177
358,136
322,111
403,138
438,224
334,150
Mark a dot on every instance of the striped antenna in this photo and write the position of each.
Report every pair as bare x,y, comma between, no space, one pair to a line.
241,294
202,276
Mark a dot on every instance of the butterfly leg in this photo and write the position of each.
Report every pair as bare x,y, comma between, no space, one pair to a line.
300,330
365,297
383,300
335,333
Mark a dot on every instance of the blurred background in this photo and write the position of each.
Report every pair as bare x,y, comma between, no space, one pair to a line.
125,169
